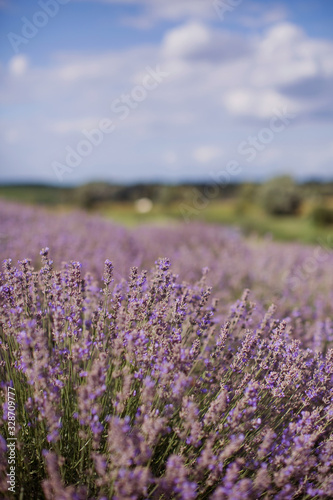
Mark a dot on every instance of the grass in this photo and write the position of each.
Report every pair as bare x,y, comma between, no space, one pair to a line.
41,195
250,218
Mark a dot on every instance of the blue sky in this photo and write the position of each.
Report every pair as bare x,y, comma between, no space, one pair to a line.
174,90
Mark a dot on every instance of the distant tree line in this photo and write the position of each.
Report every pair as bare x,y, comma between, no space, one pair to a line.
281,196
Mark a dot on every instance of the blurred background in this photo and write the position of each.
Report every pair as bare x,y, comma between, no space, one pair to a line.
165,111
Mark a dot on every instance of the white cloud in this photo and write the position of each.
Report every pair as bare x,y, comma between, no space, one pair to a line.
18,65
257,103
206,154
286,54
186,40
196,41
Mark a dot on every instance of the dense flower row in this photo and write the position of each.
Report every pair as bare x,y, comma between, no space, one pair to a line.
144,388
298,279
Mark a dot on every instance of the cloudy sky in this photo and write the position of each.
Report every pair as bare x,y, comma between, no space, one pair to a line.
173,90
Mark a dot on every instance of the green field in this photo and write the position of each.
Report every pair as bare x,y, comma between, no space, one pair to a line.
253,220
232,210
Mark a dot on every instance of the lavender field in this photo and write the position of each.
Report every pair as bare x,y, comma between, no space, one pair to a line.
178,362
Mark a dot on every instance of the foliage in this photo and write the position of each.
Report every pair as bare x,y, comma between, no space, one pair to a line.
280,196
322,216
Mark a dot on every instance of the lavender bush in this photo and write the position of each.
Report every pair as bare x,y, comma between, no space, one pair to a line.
149,386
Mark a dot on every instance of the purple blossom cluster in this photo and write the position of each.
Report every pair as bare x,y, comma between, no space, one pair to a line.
170,383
